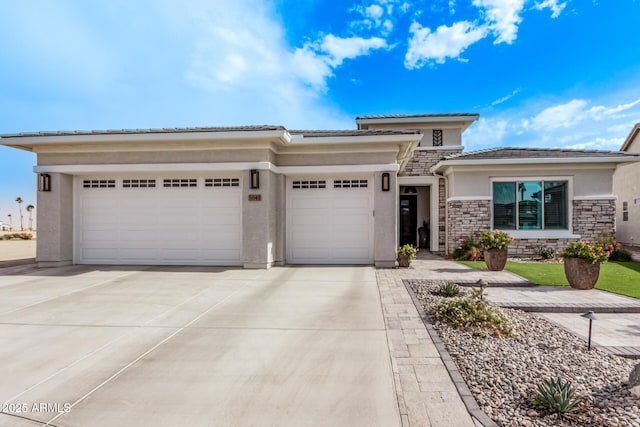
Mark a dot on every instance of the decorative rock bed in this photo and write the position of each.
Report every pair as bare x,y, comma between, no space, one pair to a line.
503,373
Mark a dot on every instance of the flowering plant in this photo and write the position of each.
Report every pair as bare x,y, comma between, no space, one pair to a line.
589,251
409,251
495,240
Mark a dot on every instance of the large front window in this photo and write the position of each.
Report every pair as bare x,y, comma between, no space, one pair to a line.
530,205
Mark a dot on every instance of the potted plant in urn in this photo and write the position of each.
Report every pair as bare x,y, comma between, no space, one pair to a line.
406,254
495,244
582,261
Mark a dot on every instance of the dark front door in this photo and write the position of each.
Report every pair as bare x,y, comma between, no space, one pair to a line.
408,219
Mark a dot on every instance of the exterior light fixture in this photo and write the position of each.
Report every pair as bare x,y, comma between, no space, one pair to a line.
591,316
385,182
44,183
255,179
482,284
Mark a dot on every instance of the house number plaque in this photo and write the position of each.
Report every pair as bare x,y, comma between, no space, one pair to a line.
255,197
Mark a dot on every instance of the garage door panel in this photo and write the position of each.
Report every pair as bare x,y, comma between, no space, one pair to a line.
332,225
160,225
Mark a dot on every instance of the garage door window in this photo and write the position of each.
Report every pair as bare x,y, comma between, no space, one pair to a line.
138,183
99,183
350,183
309,184
178,183
222,182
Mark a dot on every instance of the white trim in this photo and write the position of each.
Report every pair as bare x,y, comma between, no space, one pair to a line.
356,139
469,198
201,167
418,119
418,180
540,161
543,234
597,197
440,148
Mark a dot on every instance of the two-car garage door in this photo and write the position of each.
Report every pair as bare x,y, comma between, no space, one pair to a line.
159,220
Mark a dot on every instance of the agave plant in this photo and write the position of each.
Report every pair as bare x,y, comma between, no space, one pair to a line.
449,289
556,395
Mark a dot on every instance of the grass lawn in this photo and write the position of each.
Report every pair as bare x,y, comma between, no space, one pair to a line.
618,277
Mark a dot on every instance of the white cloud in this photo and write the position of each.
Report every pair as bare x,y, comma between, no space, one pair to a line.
572,113
427,47
337,49
486,133
556,8
611,144
503,17
506,97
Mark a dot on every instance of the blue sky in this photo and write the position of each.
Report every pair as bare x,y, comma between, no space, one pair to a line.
542,73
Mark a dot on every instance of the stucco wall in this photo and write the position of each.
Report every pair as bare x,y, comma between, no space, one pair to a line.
385,221
627,188
451,135
591,182
54,245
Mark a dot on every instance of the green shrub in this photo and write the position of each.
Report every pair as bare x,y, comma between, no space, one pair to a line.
475,314
546,252
620,254
469,250
409,251
557,396
449,290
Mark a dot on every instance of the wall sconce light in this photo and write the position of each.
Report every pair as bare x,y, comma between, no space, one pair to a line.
385,182
255,179
44,182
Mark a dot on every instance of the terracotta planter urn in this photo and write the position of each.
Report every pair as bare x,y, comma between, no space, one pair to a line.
496,259
581,274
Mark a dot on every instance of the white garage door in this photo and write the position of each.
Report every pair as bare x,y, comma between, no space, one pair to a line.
159,220
330,220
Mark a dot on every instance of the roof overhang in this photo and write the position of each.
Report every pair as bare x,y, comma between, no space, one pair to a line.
463,120
632,136
443,165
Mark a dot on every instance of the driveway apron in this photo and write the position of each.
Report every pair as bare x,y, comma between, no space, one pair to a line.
193,346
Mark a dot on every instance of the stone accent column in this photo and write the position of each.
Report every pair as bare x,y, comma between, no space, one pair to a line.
422,161
54,245
467,218
594,218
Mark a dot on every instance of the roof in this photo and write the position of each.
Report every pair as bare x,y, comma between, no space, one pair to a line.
533,153
632,135
411,116
528,156
148,131
352,132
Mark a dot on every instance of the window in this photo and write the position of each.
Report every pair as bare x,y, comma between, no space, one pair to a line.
309,184
99,183
437,137
188,182
530,205
138,183
625,211
350,183
222,182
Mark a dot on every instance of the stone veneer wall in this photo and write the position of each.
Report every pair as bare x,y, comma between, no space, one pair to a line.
467,218
422,161
591,219
442,216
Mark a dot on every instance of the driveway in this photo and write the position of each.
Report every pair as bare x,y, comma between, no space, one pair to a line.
174,346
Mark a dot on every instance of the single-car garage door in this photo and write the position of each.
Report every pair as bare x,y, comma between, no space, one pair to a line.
159,220
330,220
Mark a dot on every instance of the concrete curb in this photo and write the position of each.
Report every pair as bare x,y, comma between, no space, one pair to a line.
570,308
479,417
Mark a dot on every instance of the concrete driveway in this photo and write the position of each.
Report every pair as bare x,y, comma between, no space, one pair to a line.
188,346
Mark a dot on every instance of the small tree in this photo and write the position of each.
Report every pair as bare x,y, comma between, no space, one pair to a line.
19,200
30,210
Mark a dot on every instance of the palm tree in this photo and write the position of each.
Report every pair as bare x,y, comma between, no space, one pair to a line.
10,222
29,209
19,200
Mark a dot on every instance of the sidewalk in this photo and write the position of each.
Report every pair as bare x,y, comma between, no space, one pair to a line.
17,252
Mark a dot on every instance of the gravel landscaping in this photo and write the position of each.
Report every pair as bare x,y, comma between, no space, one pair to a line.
503,373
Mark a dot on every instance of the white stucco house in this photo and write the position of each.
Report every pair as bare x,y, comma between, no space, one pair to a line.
259,196
627,188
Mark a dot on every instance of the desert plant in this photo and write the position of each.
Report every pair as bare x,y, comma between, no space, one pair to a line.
557,396
546,252
449,290
495,240
475,314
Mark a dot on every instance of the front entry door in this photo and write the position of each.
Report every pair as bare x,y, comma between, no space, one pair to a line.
408,219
